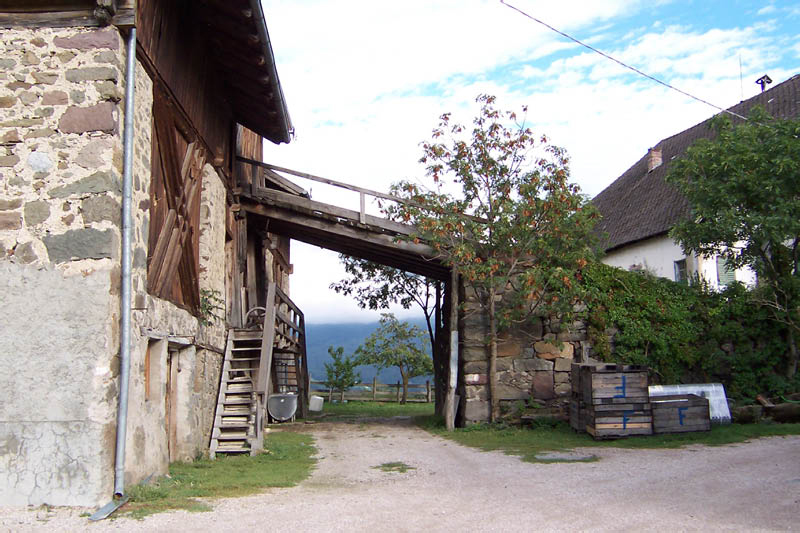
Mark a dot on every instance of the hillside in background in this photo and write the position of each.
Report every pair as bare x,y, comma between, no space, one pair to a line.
350,336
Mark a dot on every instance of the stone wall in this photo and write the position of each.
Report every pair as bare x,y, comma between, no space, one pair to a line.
60,150
533,361
61,114
173,335
60,168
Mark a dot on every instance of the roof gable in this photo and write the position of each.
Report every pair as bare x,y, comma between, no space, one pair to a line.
640,204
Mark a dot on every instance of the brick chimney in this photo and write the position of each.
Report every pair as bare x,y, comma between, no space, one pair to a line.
653,159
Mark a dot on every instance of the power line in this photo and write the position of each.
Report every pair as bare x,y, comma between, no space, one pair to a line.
617,61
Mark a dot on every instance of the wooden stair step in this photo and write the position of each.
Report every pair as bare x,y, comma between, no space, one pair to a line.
226,448
239,388
234,435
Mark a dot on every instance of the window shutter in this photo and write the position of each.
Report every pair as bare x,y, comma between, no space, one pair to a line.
172,266
681,275
725,274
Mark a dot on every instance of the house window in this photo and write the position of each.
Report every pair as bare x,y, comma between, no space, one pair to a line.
681,274
725,274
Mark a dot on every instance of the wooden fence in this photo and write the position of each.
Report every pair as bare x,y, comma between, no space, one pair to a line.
376,392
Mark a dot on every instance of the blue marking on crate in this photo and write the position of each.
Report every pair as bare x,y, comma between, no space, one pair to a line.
625,418
621,388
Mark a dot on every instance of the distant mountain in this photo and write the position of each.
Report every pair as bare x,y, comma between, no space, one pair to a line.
350,336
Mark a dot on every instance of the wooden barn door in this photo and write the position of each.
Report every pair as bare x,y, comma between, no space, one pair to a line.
173,260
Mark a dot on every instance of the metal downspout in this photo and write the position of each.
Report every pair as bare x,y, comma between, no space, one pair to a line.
125,289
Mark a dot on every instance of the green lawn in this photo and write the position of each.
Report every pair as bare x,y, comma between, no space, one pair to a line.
287,461
528,442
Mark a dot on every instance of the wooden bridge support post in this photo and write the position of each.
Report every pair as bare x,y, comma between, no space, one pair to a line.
452,374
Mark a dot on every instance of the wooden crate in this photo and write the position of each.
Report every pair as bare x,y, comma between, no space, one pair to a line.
577,415
611,421
575,378
613,384
679,413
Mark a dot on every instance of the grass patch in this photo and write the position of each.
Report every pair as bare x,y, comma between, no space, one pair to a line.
356,409
528,443
395,467
287,461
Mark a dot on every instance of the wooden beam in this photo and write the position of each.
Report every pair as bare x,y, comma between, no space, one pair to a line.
267,341
305,205
327,181
335,237
57,19
282,182
361,235
452,375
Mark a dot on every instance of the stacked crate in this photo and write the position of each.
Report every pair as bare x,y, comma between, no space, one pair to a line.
680,413
577,407
611,401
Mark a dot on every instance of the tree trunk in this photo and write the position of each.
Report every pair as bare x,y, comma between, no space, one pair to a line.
495,401
405,386
791,367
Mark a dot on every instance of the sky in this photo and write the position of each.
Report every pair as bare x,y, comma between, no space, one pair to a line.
365,82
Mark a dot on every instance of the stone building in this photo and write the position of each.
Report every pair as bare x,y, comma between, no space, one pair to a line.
205,92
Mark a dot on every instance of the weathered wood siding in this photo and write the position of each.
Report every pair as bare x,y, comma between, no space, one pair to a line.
176,47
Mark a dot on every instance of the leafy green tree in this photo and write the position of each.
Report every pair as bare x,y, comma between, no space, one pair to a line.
744,190
375,286
341,371
396,344
516,230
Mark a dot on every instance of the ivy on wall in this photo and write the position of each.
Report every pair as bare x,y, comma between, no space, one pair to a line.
685,333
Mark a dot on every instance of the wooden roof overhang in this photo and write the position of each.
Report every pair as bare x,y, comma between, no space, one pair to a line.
65,13
242,52
238,45
334,228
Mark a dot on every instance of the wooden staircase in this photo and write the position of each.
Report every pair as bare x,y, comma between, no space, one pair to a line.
238,422
260,361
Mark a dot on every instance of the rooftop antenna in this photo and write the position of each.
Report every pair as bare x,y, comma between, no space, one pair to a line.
764,81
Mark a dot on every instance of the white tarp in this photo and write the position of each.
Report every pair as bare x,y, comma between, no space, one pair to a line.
714,392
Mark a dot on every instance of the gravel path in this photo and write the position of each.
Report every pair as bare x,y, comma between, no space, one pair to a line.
753,486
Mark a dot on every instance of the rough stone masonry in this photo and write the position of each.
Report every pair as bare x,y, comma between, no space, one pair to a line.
60,168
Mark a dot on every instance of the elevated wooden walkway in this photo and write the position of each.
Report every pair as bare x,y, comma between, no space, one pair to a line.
350,232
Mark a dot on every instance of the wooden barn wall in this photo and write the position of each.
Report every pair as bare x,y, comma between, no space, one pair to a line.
250,145
176,46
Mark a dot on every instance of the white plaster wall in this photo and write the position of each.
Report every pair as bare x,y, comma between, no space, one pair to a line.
657,255
58,387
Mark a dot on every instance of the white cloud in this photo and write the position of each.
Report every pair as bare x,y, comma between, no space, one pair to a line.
365,85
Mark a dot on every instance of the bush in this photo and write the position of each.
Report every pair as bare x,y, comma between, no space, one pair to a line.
685,333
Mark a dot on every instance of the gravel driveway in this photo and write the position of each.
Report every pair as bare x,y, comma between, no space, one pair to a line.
743,487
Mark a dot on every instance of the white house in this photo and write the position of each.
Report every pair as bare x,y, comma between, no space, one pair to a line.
639,208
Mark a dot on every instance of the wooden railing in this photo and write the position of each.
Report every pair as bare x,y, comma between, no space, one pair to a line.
271,171
284,337
375,392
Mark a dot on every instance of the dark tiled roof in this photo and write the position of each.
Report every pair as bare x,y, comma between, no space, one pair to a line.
639,205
